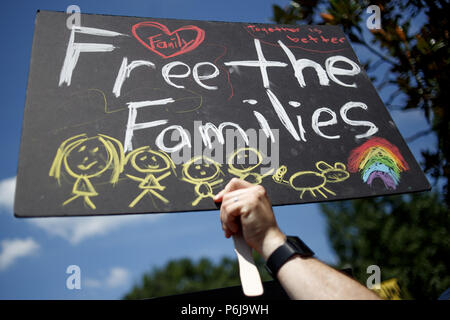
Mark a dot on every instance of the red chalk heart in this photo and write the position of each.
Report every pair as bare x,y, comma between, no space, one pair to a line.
158,38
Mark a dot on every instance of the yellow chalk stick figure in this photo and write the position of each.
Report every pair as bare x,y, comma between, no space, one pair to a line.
313,181
242,164
150,162
84,158
205,174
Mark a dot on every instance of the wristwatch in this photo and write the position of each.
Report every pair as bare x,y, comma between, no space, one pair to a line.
283,253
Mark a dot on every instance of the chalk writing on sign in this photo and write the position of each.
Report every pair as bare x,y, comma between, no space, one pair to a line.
157,115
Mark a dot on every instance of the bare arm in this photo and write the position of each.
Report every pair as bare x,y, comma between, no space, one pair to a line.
247,207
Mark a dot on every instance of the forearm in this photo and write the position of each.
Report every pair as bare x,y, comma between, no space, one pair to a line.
309,278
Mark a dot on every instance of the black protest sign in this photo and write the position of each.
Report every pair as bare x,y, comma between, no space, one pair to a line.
140,115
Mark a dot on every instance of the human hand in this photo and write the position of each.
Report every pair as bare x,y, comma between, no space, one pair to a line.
247,208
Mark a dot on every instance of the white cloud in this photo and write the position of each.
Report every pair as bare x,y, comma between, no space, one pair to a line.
73,229
7,190
77,229
117,277
13,249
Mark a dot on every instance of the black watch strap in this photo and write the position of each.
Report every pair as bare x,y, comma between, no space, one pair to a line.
282,254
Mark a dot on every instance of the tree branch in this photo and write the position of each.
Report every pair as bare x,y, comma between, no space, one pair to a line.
418,135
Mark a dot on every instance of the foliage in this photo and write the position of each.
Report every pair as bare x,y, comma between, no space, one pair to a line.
184,275
407,236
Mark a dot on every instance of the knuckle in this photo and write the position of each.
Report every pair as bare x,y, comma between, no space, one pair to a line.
260,191
225,198
234,180
225,218
223,214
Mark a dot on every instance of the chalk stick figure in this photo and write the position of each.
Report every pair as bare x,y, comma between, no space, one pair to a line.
204,173
85,158
151,162
244,161
313,181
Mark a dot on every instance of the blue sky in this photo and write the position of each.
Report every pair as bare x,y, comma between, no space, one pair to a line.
113,252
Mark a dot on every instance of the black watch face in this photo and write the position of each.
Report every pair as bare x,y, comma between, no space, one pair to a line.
301,247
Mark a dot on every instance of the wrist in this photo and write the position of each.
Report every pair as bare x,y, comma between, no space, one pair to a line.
272,241
292,247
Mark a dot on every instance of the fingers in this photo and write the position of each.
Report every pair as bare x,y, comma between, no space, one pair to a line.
236,204
238,199
234,184
229,214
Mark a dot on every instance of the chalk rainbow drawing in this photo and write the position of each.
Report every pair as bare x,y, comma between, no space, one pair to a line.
377,158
